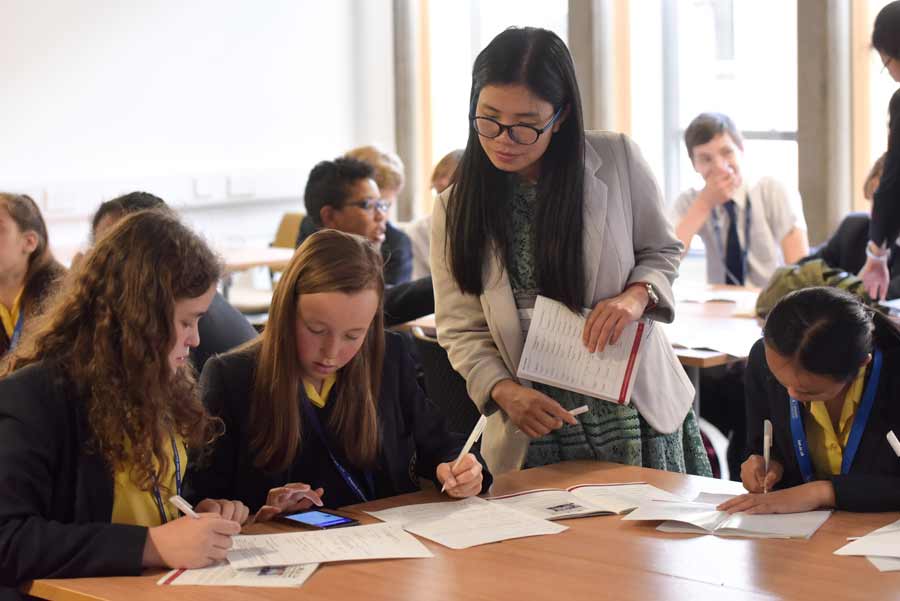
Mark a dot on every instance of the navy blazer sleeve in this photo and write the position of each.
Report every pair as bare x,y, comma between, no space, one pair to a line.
435,444
398,256
41,532
757,400
885,224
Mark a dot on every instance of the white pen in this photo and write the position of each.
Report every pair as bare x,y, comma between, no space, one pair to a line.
574,413
473,437
767,448
892,440
184,506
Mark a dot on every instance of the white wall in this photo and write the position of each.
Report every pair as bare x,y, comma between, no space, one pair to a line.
221,106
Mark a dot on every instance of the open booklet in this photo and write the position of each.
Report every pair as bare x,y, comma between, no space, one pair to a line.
701,517
554,354
224,575
583,500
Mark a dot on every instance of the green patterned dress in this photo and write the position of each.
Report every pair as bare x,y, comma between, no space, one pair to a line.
608,432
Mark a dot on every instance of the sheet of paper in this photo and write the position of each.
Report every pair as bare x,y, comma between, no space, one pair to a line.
225,575
885,564
727,335
682,528
884,542
703,515
374,541
553,505
466,523
624,496
554,354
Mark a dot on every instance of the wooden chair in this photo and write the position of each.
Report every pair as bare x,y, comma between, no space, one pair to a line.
288,229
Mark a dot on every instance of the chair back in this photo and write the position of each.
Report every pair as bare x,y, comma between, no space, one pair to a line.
445,387
288,229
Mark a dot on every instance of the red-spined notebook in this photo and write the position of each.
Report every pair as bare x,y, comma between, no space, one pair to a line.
555,355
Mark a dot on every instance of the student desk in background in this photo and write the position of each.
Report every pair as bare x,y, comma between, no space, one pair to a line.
597,558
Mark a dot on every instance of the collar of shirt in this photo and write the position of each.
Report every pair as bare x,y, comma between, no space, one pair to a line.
319,398
9,316
825,445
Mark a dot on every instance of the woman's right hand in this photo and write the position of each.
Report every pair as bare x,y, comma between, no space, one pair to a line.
189,542
875,277
533,412
294,496
755,478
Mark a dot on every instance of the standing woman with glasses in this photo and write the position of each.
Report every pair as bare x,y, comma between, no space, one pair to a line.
541,207
885,224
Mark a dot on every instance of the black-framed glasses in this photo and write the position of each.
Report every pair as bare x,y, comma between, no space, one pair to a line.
370,204
518,133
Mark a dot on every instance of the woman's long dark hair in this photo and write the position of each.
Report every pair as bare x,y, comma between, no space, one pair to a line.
886,30
826,331
478,211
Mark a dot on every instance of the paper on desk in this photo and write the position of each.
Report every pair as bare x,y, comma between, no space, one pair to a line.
706,517
884,542
225,575
374,541
583,500
885,564
733,337
466,523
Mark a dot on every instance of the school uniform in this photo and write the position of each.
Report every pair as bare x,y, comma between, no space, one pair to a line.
40,285
413,438
872,482
56,499
221,329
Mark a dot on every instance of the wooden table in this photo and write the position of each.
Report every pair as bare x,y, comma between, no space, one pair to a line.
597,558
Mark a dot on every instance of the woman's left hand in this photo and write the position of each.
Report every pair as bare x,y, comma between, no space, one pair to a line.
610,316
806,497
229,510
464,481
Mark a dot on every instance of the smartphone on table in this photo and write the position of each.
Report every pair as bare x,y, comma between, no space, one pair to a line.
320,519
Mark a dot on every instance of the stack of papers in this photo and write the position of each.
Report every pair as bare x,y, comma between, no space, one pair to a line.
554,354
702,517
225,575
881,547
466,523
375,541
583,500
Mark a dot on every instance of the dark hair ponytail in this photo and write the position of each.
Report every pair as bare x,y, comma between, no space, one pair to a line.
826,330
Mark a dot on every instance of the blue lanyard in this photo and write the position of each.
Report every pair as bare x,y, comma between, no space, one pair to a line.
346,475
721,248
17,331
156,496
798,433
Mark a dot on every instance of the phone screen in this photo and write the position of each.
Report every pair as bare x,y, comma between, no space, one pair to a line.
319,519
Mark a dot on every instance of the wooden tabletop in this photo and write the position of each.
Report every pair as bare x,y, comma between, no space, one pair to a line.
597,558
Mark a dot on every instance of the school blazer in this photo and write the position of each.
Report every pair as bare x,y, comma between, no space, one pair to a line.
55,499
627,239
414,436
873,483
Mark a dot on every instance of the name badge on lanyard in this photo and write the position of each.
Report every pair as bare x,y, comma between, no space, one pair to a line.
798,433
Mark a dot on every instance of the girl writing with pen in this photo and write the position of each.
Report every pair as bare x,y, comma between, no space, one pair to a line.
827,375
324,407
97,407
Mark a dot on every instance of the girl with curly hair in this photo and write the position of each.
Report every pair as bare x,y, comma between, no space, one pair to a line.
97,408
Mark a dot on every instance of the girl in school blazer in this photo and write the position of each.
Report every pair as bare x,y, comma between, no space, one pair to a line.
28,271
97,405
827,375
600,239
324,407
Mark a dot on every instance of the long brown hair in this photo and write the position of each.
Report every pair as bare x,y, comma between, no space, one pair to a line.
43,270
328,261
111,329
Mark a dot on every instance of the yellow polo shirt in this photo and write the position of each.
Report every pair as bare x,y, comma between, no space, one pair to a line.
319,398
826,447
9,316
137,507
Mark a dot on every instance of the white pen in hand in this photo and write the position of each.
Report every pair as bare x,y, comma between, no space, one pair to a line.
473,437
767,448
184,506
895,444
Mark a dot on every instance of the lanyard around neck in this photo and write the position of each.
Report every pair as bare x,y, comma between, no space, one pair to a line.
17,331
798,433
348,478
720,247
157,497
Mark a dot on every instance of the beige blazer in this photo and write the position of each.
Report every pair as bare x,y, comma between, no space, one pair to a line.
627,239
